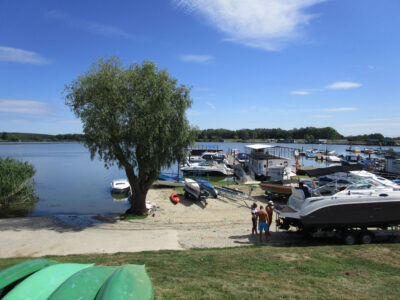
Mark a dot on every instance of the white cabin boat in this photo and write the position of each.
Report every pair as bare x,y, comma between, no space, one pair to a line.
266,164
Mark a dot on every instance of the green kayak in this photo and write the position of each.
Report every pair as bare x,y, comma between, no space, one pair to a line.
83,285
13,274
127,282
43,283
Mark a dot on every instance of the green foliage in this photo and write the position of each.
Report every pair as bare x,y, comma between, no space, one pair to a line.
274,133
16,191
36,137
133,116
366,137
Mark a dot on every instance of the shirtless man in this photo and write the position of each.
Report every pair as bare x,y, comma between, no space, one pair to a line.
262,218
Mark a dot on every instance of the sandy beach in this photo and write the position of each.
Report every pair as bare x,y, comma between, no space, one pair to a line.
188,224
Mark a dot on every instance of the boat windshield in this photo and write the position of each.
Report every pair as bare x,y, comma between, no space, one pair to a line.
364,183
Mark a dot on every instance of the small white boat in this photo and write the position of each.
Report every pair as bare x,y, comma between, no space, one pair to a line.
120,186
333,158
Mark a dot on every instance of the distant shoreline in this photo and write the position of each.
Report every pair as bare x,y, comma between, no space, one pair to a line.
2,143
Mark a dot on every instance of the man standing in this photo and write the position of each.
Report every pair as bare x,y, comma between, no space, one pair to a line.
262,218
270,210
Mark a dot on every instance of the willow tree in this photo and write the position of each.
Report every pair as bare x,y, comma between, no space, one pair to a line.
133,116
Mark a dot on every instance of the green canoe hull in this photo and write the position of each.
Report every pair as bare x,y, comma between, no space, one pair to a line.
127,282
43,283
15,273
83,285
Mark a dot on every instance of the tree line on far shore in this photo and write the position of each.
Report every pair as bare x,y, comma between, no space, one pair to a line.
38,137
306,134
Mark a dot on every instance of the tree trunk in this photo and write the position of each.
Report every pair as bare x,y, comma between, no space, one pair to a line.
138,201
138,196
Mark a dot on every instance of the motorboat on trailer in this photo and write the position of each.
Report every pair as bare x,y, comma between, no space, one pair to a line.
364,203
207,186
120,186
207,168
193,190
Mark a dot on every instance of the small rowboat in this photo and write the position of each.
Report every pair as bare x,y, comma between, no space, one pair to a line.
174,198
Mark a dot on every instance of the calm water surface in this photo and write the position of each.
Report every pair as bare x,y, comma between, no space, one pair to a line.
68,182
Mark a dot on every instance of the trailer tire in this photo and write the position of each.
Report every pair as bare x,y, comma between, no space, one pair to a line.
366,238
186,195
350,238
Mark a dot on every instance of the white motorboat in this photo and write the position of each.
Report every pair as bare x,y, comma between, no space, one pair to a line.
207,168
194,190
120,186
333,158
364,203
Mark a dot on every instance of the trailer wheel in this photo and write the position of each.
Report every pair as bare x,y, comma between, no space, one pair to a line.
366,238
186,195
350,238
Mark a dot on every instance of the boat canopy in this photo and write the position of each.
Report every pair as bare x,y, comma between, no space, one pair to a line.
259,146
330,170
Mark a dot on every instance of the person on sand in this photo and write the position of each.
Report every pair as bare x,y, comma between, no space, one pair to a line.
262,218
270,210
254,218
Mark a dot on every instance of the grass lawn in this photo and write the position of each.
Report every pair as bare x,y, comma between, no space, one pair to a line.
264,272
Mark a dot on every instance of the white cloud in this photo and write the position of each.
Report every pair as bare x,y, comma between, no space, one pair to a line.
195,58
211,105
90,26
21,56
265,24
340,109
343,85
300,93
23,106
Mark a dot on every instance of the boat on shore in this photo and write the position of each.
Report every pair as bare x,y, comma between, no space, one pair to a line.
169,180
276,188
364,203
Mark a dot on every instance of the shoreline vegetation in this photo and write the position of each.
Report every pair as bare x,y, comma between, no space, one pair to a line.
17,196
308,135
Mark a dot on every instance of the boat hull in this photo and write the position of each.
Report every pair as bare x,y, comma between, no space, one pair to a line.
277,188
370,214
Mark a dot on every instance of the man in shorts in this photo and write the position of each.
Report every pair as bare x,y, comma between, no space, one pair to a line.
262,218
270,210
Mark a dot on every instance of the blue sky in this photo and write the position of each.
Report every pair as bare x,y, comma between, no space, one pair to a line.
252,64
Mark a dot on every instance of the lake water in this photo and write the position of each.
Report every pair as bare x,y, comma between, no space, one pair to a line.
67,181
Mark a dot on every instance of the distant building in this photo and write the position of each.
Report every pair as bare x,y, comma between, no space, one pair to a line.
322,141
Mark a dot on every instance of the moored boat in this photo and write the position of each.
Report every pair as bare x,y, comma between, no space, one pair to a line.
120,186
